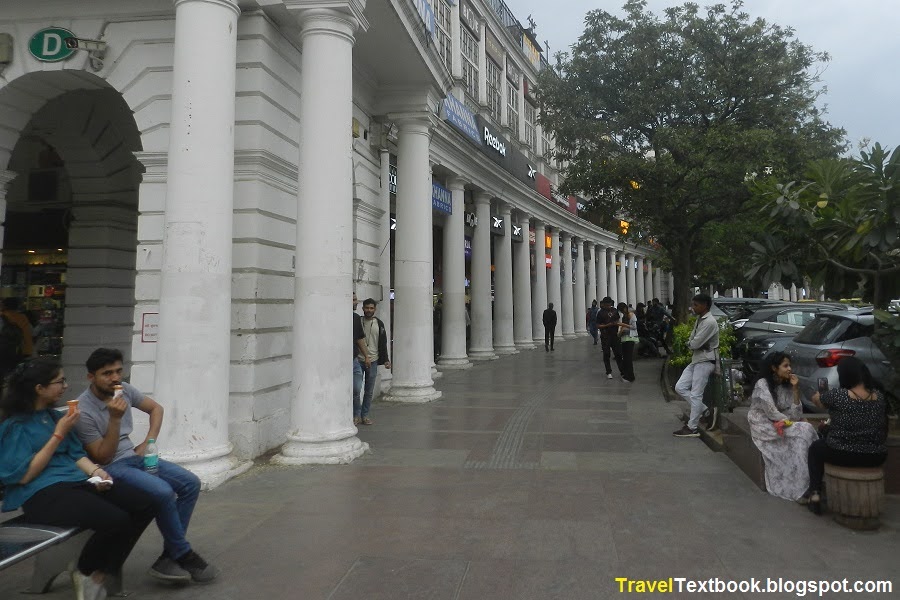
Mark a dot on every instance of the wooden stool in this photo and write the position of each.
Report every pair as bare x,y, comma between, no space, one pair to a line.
855,495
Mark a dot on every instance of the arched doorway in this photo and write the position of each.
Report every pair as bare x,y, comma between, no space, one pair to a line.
71,208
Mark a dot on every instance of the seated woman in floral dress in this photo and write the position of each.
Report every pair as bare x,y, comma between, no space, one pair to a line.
776,429
857,434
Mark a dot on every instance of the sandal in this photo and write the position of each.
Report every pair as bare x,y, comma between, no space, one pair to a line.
815,503
366,421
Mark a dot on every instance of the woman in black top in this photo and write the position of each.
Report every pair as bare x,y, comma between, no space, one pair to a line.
858,430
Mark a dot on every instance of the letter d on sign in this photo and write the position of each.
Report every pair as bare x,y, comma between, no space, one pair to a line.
52,43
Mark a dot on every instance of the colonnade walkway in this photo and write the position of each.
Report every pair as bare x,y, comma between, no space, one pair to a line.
533,477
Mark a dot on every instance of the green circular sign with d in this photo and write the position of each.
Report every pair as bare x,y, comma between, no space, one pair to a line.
49,45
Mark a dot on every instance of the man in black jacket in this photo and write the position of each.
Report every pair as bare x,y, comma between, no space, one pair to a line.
376,342
549,319
608,325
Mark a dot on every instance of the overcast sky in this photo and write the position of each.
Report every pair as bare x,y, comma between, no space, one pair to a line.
863,79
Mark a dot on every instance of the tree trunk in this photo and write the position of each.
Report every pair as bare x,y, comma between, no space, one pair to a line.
681,271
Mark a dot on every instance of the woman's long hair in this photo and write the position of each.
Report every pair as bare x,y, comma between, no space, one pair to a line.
19,396
767,370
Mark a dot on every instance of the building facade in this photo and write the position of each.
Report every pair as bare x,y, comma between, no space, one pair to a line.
204,183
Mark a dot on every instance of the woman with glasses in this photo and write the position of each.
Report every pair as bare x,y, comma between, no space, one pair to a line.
46,472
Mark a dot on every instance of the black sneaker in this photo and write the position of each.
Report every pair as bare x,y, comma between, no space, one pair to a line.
166,569
686,431
200,570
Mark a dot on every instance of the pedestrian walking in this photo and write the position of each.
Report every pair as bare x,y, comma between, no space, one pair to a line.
628,336
591,319
607,324
549,319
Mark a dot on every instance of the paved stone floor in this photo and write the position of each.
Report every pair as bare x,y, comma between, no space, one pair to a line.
534,477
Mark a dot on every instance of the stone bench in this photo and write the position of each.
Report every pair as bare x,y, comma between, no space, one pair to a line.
855,495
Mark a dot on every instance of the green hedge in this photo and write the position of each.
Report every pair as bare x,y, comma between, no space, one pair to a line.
681,354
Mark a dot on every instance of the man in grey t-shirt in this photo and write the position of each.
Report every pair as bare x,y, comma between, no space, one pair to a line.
704,345
105,428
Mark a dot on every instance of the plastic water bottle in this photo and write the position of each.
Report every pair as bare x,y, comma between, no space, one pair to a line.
151,457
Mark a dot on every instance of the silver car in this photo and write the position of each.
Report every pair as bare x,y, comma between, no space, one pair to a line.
828,338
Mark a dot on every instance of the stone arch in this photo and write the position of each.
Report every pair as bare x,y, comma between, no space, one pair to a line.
89,126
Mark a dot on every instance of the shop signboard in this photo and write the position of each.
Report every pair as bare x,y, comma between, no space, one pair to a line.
49,44
532,238
532,51
517,235
149,327
499,150
498,225
470,18
548,260
545,189
426,13
470,219
467,247
392,179
455,112
441,199
493,47
513,73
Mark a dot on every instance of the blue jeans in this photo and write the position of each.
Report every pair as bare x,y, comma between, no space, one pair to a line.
369,376
691,386
358,369
174,492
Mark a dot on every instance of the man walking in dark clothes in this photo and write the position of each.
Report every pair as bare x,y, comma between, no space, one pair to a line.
549,319
607,323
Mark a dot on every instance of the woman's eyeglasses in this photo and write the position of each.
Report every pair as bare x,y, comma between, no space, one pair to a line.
61,380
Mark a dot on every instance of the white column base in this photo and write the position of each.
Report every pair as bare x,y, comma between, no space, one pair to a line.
435,374
506,350
450,364
412,394
526,345
329,452
216,471
482,355
385,380
572,335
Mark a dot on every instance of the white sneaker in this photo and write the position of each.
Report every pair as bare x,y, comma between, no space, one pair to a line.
86,588
609,375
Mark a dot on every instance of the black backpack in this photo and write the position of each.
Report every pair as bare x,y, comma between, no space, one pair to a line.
11,341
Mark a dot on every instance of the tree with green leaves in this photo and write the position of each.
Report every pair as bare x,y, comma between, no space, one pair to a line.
659,119
840,222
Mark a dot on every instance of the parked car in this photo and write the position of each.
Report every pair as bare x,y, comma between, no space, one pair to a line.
729,307
831,336
781,318
754,350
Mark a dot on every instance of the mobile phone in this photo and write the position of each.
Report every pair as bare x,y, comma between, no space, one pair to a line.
823,385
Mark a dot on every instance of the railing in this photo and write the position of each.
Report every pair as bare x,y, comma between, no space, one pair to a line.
507,19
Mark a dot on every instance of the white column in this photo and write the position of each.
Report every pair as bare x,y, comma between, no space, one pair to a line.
600,262
453,325
539,291
631,290
6,178
657,286
639,280
504,342
522,285
621,286
579,308
321,429
793,293
554,295
613,277
193,349
648,281
567,314
671,291
413,268
590,293
384,262
482,345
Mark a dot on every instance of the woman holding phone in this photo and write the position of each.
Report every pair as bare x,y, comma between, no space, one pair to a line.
857,434
47,473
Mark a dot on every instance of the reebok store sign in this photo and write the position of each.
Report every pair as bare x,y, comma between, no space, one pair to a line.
491,140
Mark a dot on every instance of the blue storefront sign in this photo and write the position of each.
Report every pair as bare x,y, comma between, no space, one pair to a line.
467,247
427,15
441,199
463,119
